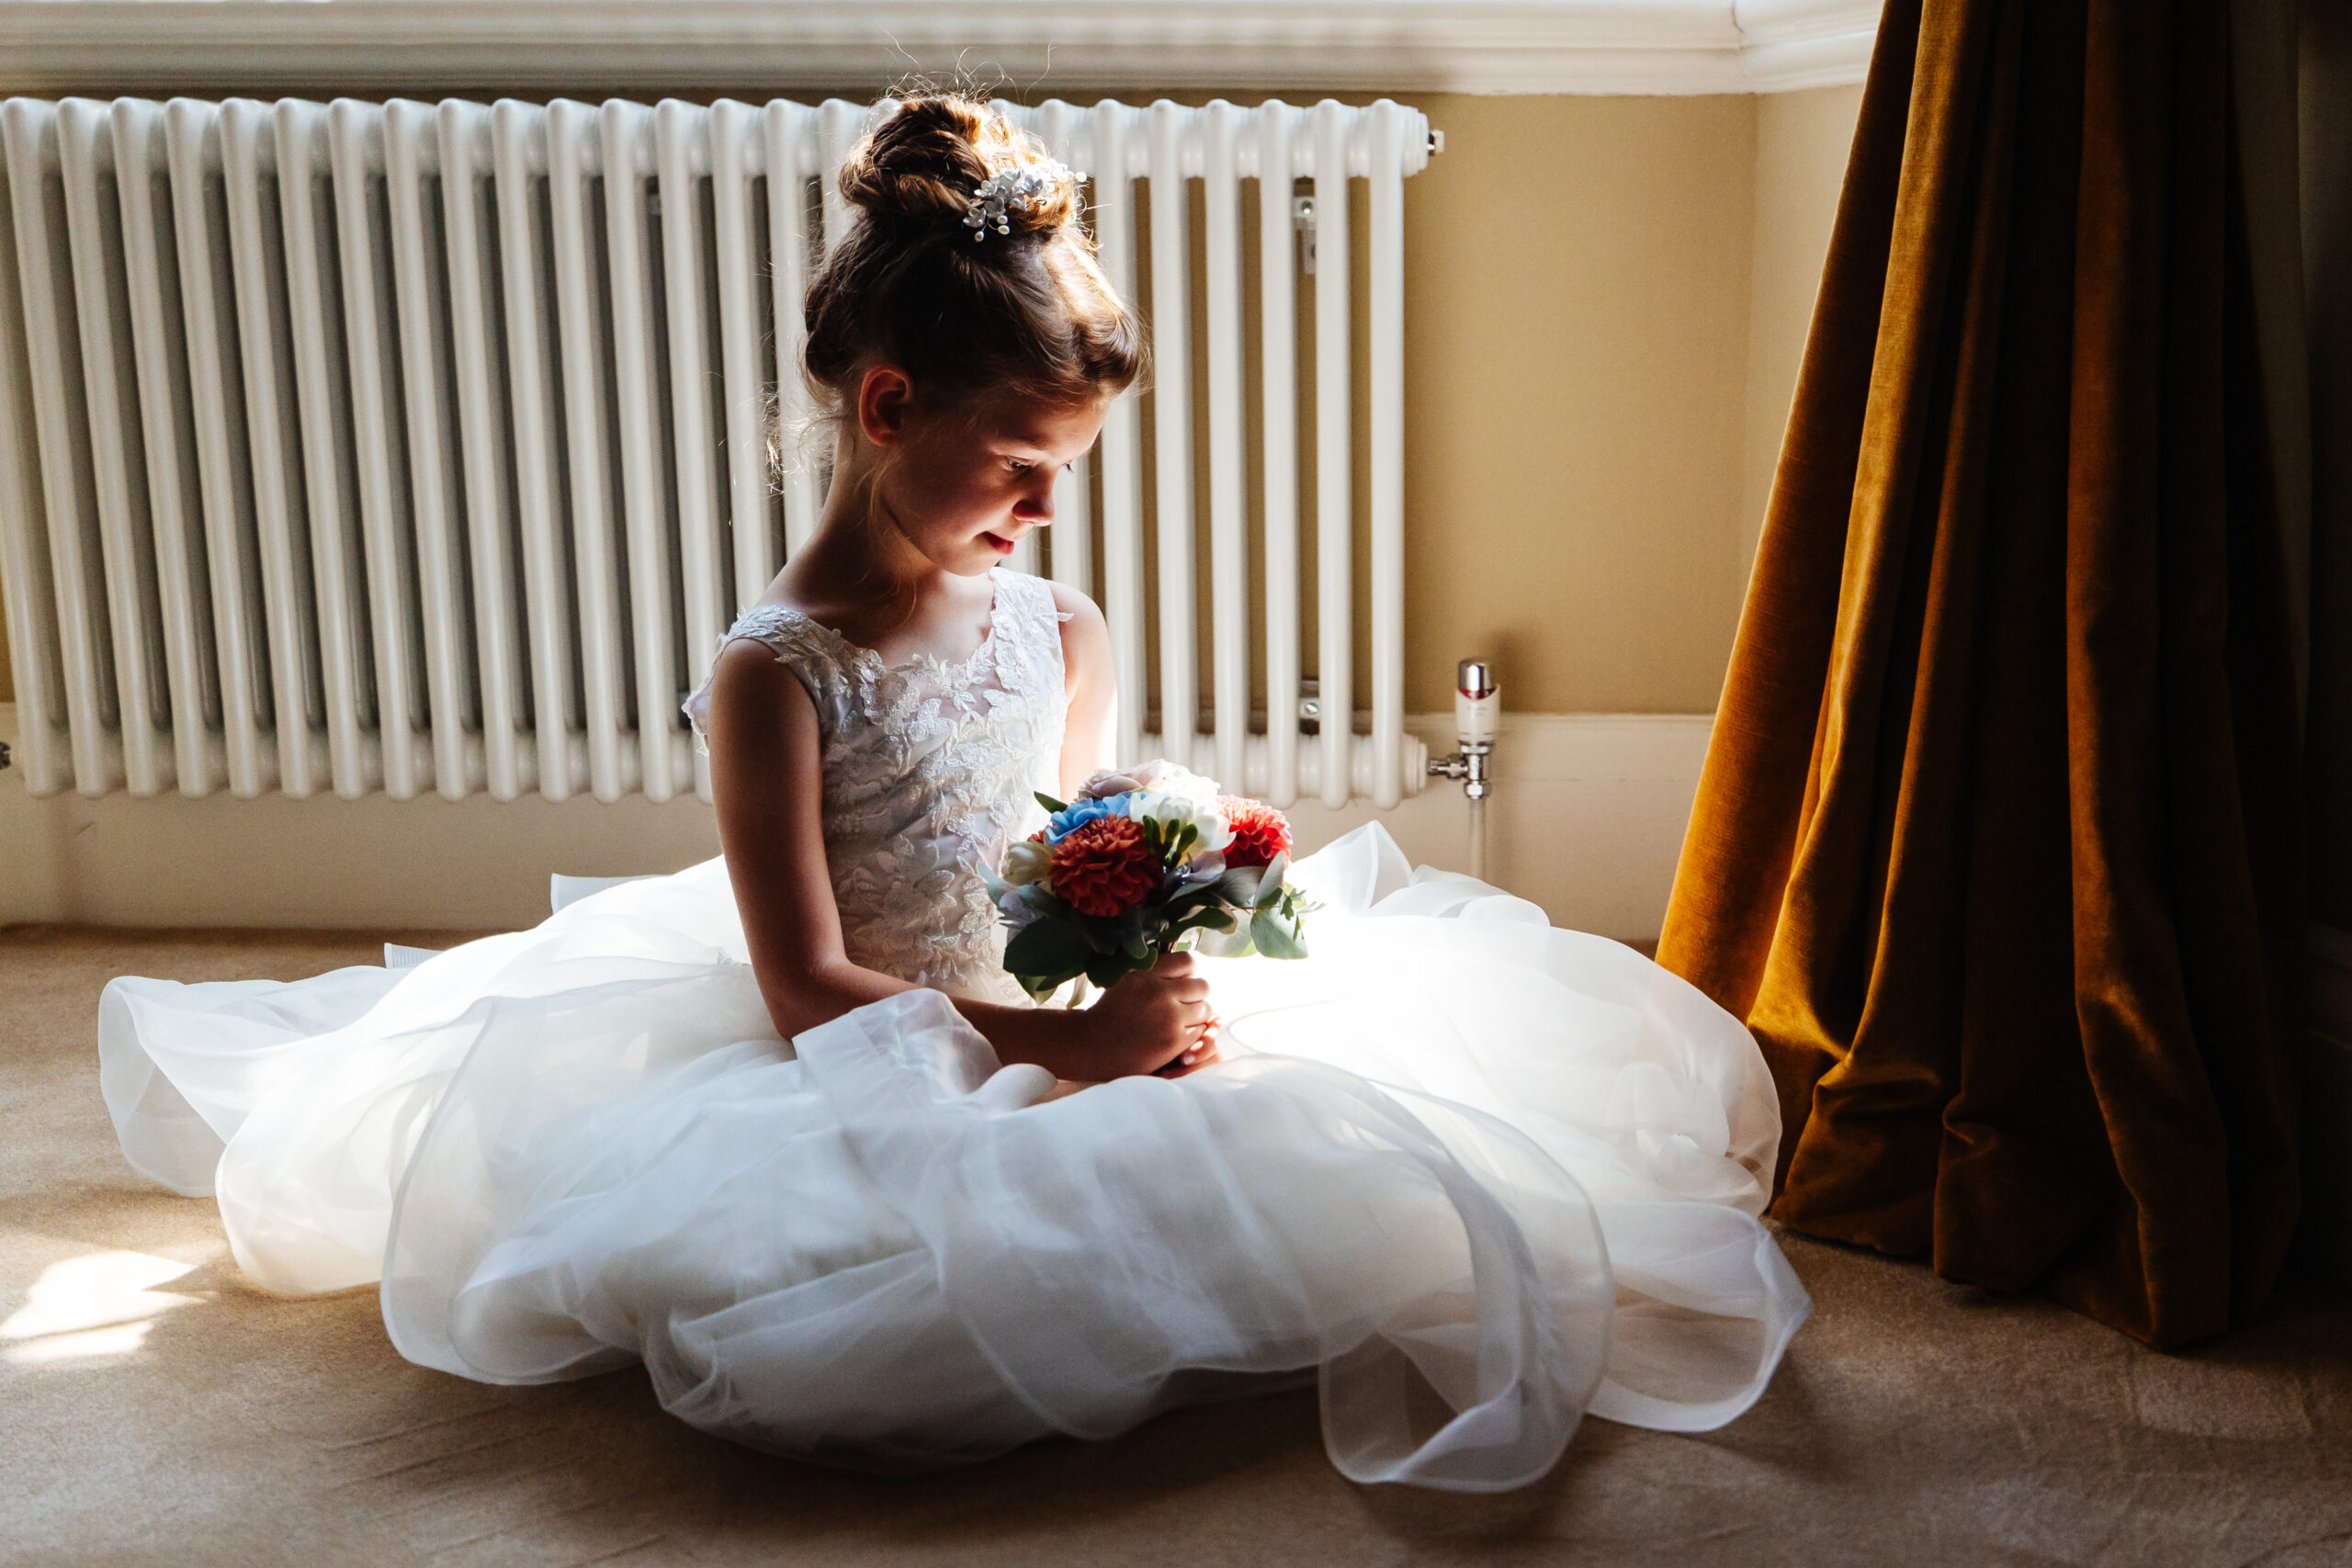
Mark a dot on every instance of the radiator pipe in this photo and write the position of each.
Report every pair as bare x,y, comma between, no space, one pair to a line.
1478,706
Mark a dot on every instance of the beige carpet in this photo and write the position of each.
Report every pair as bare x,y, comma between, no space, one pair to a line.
191,1419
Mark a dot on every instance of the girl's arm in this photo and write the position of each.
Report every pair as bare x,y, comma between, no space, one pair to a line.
764,761
1089,675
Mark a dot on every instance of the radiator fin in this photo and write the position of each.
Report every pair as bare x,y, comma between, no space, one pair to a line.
427,448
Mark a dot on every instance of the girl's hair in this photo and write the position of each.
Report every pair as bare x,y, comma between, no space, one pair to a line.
1027,312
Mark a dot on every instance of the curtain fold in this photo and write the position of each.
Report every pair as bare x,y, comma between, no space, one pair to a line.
1997,849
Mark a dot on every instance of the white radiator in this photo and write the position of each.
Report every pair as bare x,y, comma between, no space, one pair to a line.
362,446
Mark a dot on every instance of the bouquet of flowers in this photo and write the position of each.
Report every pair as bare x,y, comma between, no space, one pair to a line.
1142,862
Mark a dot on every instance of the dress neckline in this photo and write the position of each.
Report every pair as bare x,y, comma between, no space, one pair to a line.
858,653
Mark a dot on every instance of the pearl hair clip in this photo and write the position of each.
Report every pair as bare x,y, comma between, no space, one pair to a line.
1023,183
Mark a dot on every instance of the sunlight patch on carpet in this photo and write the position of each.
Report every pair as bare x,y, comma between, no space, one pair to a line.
96,1307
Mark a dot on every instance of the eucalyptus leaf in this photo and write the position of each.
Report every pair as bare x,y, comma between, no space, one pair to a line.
1275,936
1270,883
1235,944
1106,970
1054,807
1048,947
1202,895
1239,885
1101,935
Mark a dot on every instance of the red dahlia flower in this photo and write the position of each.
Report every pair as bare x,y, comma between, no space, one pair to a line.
1104,867
1260,832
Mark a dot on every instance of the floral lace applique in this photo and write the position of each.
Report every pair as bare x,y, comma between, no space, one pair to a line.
930,771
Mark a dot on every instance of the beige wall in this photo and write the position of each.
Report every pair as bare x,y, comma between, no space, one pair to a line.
1606,301
1801,143
1576,330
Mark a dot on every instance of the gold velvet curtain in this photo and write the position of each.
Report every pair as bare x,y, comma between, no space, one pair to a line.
1996,850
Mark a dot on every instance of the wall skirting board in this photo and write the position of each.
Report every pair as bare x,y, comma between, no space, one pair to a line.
1586,820
2327,1100
49,46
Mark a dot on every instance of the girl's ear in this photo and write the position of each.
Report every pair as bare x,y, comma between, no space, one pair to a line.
885,398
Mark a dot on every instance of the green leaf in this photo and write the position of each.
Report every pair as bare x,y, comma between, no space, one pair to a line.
1044,948
1193,898
1270,882
1235,944
1106,971
1240,886
1198,920
1275,936
1054,807
1111,934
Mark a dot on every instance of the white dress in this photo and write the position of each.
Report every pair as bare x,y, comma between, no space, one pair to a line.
1476,1174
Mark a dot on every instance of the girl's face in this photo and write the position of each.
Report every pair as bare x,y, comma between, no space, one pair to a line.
965,485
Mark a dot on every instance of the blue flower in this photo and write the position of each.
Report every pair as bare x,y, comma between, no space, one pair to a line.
1077,814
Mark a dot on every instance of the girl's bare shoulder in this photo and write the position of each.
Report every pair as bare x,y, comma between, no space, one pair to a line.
756,676
1086,636
1076,608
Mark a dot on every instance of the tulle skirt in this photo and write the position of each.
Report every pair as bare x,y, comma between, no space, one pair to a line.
1472,1175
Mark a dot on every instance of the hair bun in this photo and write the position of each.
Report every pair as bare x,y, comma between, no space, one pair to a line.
925,164
966,269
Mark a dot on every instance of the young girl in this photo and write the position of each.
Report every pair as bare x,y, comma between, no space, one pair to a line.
781,1127
962,370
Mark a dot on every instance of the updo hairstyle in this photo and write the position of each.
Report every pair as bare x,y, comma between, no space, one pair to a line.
1028,312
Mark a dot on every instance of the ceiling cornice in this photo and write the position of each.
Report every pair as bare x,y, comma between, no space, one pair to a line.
1133,47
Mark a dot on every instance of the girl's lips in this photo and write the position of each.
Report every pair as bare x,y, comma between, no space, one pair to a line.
997,543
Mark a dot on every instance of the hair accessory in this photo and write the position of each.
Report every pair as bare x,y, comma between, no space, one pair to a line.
1023,183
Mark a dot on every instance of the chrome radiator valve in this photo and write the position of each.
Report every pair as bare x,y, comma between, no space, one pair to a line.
1477,706
1478,711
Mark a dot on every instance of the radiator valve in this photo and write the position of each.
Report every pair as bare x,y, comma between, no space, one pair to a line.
1477,699
1477,704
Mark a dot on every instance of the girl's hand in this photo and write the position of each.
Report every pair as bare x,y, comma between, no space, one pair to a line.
1154,1020
1201,1053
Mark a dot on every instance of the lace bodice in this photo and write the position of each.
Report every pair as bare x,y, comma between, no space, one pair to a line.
931,769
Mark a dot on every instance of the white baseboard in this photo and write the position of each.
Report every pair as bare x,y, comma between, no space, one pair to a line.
1587,819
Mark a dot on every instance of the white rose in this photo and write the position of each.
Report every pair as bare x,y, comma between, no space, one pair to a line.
1106,783
1166,778
1027,861
1203,814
